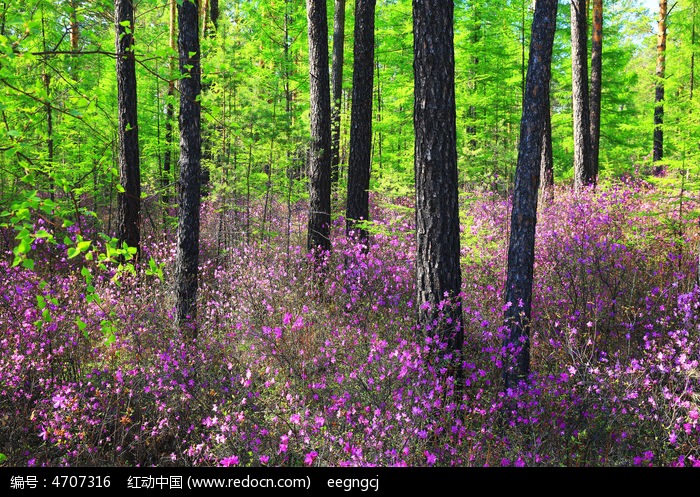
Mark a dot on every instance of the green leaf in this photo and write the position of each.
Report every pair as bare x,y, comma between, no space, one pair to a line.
23,247
81,326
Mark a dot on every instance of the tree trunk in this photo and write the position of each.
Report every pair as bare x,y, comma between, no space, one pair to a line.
187,261
203,15
521,250
547,164
128,200
74,27
169,116
360,163
319,235
581,105
692,55
438,271
214,13
658,152
337,83
596,83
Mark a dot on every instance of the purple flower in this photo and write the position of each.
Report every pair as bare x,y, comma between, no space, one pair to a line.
229,461
310,457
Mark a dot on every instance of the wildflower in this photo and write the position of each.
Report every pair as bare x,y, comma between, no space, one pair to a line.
310,457
59,401
229,461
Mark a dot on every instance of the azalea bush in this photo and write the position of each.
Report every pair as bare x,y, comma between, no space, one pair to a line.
301,364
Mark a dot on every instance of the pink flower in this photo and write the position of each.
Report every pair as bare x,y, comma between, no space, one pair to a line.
229,461
310,457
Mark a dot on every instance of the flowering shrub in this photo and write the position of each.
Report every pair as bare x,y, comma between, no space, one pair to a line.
296,365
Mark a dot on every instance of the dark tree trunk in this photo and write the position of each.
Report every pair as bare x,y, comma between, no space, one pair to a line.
658,153
521,250
596,83
359,165
187,261
169,117
438,271
319,234
337,83
580,99
129,200
214,12
547,164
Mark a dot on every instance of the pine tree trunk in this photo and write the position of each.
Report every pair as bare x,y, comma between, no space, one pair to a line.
74,27
169,118
596,84
547,164
319,237
128,200
658,152
214,13
337,83
187,260
438,272
581,105
521,249
360,162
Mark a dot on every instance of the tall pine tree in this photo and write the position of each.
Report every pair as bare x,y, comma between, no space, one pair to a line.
187,259
521,248
438,271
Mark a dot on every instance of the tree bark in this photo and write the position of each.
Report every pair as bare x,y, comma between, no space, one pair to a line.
319,237
337,83
74,27
521,249
214,13
547,164
596,83
187,260
128,200
658,152
438,271
581,104
169,115
360,163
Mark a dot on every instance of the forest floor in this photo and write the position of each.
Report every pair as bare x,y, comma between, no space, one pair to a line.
296,365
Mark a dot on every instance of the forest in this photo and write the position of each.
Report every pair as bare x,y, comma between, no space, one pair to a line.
349,233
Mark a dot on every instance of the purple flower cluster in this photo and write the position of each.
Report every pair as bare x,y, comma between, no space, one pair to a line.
297,365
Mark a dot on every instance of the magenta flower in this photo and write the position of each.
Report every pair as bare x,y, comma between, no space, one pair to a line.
310,457
229,461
